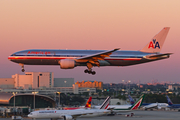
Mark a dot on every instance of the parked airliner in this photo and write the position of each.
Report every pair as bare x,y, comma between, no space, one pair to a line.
71,114
68,59
171,105
150,106
126,108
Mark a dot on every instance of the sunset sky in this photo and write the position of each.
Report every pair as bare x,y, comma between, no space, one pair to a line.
91,24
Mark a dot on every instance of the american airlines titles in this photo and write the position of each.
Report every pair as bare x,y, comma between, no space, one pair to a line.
40,52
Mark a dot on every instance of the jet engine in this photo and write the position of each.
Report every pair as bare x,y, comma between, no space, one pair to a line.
159,107
68,117
67,63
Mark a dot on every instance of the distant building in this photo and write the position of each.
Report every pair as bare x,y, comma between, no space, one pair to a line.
90,84
63,82
173,87
7,83
45,83
34,80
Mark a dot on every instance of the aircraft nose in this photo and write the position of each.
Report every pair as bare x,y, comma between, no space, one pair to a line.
9,58
29,115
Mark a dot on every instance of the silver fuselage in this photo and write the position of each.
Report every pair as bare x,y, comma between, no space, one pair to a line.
52,57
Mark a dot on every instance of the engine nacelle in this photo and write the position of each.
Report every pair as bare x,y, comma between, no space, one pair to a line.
68,117
67,64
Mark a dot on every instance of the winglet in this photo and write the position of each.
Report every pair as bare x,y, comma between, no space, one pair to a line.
156,43
138,103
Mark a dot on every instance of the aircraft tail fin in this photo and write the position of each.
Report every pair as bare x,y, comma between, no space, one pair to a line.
169,101
138,103
88,103
131,100
156,43
105,103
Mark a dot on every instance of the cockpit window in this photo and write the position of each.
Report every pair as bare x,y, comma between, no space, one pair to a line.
13,54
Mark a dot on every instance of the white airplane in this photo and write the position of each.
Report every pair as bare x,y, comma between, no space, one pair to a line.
156,106
147,106
126,108
71,114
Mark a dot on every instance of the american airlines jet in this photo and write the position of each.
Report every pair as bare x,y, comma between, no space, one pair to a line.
68,59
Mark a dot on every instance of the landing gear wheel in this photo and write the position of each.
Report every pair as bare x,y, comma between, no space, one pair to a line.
89,72
93,72
22,70
132,114
86,71
22,66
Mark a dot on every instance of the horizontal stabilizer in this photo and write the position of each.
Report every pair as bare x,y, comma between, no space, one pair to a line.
166,55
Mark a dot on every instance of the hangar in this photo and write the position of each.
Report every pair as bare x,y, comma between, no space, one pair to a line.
41,101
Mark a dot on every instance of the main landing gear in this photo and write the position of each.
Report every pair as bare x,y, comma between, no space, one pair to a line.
22,66
89,70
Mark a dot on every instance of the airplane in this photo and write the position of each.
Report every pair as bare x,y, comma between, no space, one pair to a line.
125,108
88,105
171,105
71,114
69,59
147,106
156,106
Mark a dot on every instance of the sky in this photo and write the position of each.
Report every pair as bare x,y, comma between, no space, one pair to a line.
91,24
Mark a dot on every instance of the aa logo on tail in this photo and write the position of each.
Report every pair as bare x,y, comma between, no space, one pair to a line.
153,44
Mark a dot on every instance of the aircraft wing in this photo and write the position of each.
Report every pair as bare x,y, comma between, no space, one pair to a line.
98,56
157,56
77,114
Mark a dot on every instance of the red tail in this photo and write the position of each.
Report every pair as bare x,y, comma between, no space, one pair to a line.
88,104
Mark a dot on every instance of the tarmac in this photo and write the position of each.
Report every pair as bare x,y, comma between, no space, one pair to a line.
138,115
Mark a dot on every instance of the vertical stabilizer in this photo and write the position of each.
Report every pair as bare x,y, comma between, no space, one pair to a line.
169,101
88,104
131,100
105,103
156,43
138,103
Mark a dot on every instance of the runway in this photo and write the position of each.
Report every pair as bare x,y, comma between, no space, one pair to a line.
139,115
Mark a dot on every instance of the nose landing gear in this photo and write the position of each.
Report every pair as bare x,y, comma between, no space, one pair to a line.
22,66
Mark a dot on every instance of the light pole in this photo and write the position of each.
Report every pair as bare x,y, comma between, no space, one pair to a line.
34,99
59,97
14,101
129,86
